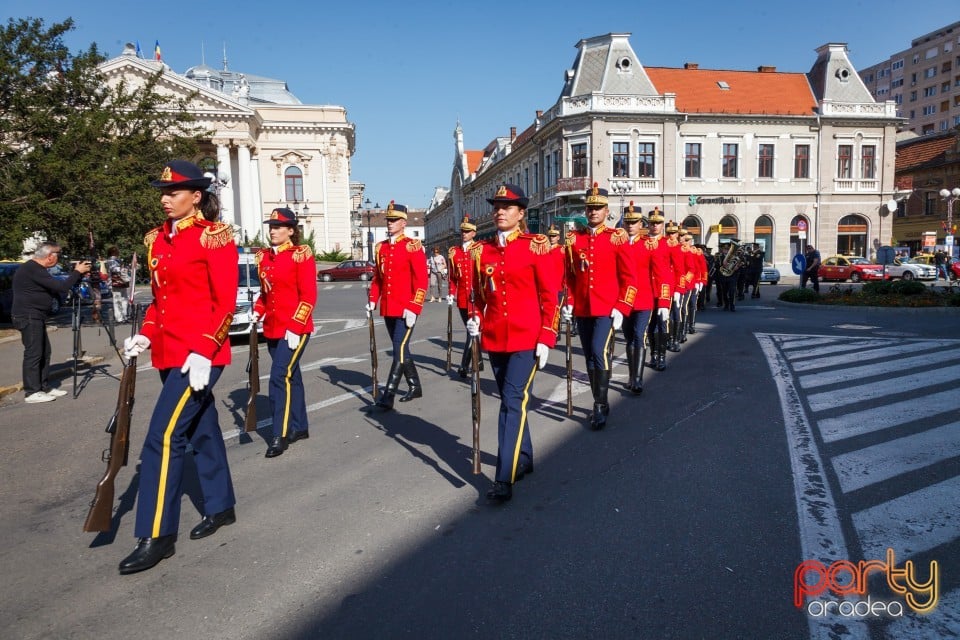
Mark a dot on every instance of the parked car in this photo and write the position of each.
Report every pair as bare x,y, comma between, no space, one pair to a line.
910,270
348,270
248,290
853,268
770,274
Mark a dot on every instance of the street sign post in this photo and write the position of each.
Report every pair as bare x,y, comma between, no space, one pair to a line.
799,263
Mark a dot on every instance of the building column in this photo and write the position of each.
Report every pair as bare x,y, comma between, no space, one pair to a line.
248,220
227,213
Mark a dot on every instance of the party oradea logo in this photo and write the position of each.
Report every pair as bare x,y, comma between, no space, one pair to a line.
841,588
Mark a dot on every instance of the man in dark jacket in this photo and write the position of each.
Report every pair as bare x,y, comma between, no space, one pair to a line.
33,292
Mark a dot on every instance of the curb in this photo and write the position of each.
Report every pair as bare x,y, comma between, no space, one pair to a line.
55,374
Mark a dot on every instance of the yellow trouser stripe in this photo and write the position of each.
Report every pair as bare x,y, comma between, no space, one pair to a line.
165,461
606,349
523,421
403,343
286,382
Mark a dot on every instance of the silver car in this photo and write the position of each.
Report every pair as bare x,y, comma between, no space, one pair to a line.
770,274
910,270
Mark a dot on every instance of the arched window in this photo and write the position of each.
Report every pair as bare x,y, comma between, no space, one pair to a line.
763,235
293,184
693,225
730,228
852,235
799,226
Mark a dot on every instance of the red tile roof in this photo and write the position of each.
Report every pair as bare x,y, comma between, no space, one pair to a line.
750,92
917,152
474,158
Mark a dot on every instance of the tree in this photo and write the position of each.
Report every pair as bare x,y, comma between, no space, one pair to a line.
76,156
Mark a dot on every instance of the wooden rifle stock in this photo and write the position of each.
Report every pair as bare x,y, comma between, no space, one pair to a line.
101,508
253,380
449,334
373,356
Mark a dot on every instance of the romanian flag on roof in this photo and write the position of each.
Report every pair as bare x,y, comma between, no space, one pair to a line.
156,51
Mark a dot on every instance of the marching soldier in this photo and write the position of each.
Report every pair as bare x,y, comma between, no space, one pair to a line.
727,283
679,286
663,291
559,252
601,281
400,285
461,284
288,285
691,274
193,274
516,315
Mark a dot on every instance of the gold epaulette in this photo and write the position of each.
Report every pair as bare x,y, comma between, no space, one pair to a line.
451,254
685,248
539,244
216,236
415,245
259,256
651,243
302,253
150,236
476,251
619,237
571,237
672,242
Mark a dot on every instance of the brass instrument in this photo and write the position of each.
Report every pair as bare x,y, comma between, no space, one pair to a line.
733,260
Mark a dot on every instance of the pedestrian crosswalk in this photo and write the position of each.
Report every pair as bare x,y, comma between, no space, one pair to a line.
872,423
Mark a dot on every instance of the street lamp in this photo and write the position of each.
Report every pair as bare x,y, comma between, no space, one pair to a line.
950,196
621,188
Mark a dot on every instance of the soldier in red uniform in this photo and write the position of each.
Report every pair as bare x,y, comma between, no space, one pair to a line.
193,274
696,267
663,281
600,277
679,286
690,274
516,289
461,286
288,293
400,286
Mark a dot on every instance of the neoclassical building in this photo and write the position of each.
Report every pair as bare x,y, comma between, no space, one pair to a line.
266,148
778,158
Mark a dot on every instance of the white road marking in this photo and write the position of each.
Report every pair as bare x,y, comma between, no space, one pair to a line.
880,388
873,354
846,374
944,622
888,415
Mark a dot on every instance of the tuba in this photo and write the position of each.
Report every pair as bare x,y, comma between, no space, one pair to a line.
733,259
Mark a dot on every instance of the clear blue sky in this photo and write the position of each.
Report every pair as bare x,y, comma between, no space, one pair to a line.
406,71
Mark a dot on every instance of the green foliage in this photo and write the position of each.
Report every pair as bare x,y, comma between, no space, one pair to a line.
799,295
908,287
75,155
877,288
257,241
311,242
333,256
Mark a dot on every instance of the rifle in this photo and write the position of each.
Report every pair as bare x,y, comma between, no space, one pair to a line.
449,334
373,353
75,323
101,508
475,391
569,357
253,380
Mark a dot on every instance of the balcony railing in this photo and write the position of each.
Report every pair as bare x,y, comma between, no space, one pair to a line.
856,185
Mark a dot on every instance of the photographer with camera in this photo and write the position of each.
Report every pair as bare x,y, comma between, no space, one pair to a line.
120,283
33,292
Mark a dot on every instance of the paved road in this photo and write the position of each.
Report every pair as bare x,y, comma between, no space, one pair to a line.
685,518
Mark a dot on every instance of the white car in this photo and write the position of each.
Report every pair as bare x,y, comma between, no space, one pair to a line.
248,290
910,270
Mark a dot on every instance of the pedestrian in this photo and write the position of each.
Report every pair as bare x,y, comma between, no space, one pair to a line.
288,294
34,291
438,275
516,316
940,261
119,278
812,270
601,280
400,286
461,287
193,277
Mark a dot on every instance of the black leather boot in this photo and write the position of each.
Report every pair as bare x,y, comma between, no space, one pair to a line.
385,401
672,345
638,380
631,366
413,380
466,362
148,553
601,406
277,446
661,352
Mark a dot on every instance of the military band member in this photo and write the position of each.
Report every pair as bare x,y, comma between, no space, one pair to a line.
516,315
600,278
691,260
648,272
460,286
663,291
193,275
288,294
727,283
679,286
400,286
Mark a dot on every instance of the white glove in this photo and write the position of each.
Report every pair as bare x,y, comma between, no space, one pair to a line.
199,369
254,316
676,297
293,339
451,299
699,286
473,326
409,317
567,312
543,352
370,307
664,314
617,319
135,345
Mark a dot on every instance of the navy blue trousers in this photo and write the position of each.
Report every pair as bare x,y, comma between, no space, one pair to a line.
288,404
514,372
596,338
400,337
635,326
181,415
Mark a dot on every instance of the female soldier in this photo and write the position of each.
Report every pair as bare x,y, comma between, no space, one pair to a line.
193,275
288,286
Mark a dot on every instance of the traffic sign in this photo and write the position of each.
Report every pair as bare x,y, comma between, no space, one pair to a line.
802,235
801,225
885,255
799,264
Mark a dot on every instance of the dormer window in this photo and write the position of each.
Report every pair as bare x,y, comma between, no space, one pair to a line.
843,74
624,64
723,85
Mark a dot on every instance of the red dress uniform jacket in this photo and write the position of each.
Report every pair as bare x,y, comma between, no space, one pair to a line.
599,272
663,271
704,271
677,264
288,290
400,280
193,275
648,272
516,289
691,270
461,274
558,256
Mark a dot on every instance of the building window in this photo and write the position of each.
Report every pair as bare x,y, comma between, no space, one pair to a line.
691,160
929,72
765,161
801,161
621,159
645,157
930,109
526,180
556,165
728,162
868,162
930,203
929,92
547,171
845,161
293,184
897,64
536,177
579,162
